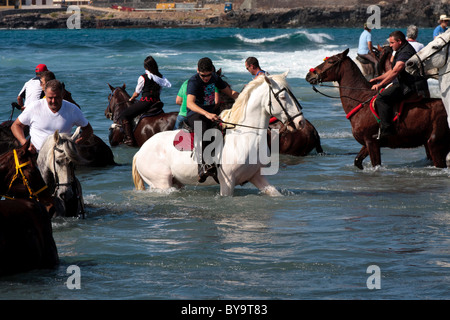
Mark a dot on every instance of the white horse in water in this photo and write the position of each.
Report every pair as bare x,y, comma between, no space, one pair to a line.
435,56
56,162
240,159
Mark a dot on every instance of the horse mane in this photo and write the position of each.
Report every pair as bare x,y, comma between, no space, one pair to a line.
237,111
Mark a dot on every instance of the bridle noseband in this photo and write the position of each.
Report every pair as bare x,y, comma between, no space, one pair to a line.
276,95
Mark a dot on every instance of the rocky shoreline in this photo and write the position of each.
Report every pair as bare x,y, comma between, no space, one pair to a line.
392,15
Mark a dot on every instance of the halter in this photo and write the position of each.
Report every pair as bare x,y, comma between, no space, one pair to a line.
19,166
422,68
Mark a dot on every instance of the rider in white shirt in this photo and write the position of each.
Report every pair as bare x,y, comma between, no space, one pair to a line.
31,90
49,114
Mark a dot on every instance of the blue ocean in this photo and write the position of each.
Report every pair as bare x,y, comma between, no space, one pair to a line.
337,233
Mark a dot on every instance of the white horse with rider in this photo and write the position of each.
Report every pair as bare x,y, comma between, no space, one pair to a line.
240,158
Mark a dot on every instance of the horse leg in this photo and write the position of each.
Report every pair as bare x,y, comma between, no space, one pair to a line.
263,185
437,151
374,152
363,153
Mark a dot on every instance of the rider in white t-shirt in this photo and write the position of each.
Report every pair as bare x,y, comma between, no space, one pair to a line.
31,90
49,114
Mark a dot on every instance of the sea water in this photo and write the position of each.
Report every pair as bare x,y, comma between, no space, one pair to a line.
336,233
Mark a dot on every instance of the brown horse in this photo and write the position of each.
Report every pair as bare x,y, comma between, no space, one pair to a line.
146,126
383,55
26,239
21,178
420,122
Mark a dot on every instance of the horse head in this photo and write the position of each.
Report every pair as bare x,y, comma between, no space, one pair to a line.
433,56
118,101
20,165
282,103
327,70
56,161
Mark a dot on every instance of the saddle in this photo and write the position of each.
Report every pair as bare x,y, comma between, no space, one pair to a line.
184,141
398,107
154,110
363,60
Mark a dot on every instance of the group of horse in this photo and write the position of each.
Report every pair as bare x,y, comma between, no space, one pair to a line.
38,188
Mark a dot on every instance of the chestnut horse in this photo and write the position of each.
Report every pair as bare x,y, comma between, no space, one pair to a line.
146,127
21,178
420,122
383,55
26,237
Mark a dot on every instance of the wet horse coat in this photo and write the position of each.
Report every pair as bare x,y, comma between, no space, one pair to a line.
421,123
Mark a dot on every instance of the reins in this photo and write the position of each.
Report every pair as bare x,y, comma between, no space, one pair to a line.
19,171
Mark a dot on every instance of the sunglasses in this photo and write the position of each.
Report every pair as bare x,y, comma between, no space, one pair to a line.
205,75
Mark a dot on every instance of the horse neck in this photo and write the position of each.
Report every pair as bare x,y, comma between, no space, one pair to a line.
255,114
353,86
121,103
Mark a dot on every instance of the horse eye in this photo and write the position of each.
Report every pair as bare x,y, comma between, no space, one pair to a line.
436,47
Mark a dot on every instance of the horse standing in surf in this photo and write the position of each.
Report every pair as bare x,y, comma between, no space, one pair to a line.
162,166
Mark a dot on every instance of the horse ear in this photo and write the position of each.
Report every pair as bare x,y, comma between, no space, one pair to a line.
345,52
111,87
285,74
56,136
76,133
124,86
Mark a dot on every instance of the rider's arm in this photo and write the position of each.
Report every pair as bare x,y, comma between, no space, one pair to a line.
86,133
388,76
190,103
17,128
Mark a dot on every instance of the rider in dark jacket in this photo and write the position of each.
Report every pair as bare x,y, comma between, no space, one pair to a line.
403,84
149,84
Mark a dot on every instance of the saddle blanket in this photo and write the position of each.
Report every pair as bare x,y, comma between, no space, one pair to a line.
184,141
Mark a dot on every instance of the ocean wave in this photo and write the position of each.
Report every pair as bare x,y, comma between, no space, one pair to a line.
297,38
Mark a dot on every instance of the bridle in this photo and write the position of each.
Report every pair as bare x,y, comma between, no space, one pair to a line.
55,173
421,61
290,119
19,172
331,65
276,95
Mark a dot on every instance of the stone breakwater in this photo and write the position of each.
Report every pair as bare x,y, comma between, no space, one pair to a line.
391,15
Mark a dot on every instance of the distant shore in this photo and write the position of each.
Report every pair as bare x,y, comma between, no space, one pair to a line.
392,15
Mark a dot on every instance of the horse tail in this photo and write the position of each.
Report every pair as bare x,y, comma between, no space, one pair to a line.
137,179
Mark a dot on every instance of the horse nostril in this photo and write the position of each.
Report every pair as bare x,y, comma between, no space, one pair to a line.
409,64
